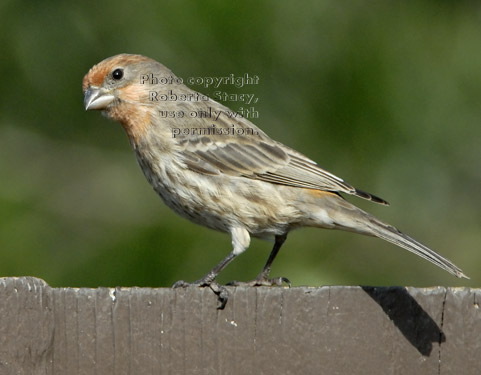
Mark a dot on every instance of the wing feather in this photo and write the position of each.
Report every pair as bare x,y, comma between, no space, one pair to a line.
261,158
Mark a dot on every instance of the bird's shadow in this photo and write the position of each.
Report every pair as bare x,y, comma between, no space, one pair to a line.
408,316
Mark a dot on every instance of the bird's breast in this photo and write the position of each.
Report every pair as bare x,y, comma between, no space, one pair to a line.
220,201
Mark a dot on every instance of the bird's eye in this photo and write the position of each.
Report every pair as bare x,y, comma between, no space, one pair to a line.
117,74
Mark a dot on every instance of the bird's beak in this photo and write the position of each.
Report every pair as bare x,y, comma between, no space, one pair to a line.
97,98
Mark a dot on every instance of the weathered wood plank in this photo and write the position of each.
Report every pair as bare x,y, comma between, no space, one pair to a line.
26,325
462,328
335,330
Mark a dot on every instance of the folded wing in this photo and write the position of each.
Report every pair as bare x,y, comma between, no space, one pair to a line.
260,158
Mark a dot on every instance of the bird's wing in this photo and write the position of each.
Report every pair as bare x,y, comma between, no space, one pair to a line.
261,158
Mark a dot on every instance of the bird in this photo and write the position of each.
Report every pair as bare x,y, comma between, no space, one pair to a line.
221,171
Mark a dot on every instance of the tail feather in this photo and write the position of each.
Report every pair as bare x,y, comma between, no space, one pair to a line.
348,217
391,234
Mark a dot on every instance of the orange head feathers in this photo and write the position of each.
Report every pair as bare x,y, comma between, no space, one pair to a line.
114,87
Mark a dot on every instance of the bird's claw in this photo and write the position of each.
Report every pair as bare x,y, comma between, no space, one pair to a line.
262,281
219,290
185,284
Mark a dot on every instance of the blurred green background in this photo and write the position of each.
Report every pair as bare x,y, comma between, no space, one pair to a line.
386,95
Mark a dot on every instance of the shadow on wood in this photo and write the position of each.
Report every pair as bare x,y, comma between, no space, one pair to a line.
420,329
334,330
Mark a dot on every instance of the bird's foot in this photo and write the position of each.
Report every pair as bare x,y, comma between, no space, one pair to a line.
263,281
219,290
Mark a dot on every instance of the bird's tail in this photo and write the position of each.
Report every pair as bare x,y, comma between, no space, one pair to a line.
391,234
349,217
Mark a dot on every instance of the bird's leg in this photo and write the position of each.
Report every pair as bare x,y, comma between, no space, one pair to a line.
240,242
263,278
209,280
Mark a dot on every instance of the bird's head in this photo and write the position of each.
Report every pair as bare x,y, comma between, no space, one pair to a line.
115,87
114,80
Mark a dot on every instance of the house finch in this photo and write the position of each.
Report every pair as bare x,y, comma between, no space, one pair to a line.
220,170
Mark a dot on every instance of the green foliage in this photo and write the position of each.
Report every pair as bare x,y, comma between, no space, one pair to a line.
384,94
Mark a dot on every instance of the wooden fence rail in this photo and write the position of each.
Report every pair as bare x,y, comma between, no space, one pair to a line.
327,330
